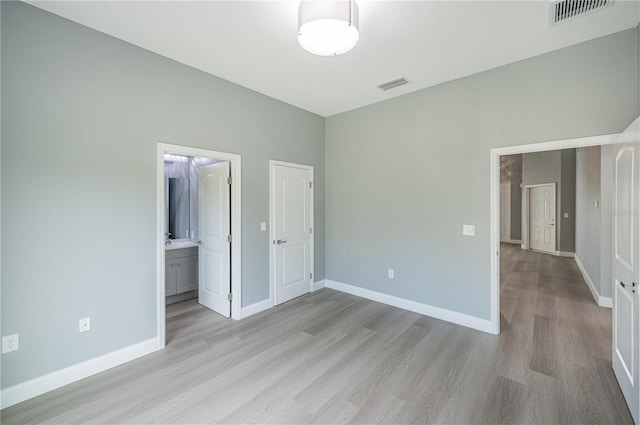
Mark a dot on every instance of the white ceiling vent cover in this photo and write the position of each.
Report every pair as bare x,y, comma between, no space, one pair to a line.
565,10
393,84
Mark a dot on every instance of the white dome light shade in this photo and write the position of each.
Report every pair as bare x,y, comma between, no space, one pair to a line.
328,28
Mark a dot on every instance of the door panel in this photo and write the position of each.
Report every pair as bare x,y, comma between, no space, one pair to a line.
542,217
291,220
214,227
626,318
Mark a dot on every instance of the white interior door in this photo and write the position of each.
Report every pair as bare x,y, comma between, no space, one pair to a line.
291,224
505,212
542,218
214,262
626,319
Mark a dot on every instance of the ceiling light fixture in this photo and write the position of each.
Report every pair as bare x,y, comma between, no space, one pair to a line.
328,28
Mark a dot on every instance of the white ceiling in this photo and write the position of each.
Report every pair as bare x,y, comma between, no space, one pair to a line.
254,43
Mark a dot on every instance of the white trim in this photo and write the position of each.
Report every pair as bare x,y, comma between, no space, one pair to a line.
513,241
236,229
256,308
42,384
318,285
565,254
580,142
309,168
600,300
494,191
426,309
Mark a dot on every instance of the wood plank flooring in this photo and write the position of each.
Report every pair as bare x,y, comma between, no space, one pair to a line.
329,357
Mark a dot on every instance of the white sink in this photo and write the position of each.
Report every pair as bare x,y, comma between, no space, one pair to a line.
180,245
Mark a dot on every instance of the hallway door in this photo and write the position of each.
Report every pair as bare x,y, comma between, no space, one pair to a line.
626,318
542,218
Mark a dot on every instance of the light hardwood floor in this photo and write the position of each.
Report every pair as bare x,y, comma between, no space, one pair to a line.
330,357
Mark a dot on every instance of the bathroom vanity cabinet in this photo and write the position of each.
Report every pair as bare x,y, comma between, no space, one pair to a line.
181,273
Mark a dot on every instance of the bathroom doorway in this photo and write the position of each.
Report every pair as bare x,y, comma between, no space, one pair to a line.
198,223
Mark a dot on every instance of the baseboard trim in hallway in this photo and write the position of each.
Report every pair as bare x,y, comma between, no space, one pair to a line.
43,384
600,300
426,309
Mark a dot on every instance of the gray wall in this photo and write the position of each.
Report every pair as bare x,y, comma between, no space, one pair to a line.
511,171
567,200
557,167
82,114
606,220
407,173
588,238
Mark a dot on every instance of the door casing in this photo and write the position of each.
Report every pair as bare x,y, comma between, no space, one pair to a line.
272,281
236,229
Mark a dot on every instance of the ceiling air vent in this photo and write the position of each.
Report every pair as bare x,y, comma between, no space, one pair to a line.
565,10
393,84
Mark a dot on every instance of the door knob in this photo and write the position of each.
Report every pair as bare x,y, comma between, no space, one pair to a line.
280,241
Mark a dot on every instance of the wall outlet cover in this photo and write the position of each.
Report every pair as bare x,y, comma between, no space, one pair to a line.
10,343
391,274
84,325
469,229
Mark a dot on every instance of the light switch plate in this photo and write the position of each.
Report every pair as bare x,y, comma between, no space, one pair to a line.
10,343
469,229
566,215
263,226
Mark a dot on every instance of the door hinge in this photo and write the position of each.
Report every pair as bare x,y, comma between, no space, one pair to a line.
229,179
310,185
310,230
230,296
310,275
229,238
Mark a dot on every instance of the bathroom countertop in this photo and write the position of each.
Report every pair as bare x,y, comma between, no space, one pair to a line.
180,245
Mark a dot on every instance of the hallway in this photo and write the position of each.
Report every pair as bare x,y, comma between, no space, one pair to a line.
562,339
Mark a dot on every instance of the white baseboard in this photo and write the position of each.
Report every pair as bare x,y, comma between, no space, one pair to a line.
35,387
512,241
426,309
600,300
565,254
256,308
318,285
263,305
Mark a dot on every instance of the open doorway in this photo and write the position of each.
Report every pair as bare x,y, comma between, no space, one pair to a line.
199,232
495,180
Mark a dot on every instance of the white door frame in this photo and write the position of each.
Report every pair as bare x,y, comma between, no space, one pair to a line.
272,280
494,196
236,229
526,212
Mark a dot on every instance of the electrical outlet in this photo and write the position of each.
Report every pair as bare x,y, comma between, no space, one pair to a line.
10,343
391,274
84,324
